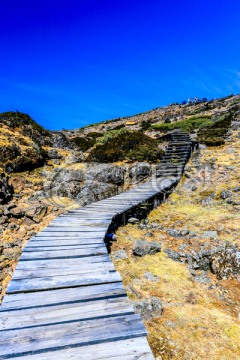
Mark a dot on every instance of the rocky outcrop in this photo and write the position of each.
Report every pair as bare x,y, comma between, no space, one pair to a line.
142,248
106,173
140,171
222,261
225,262
6,190
95,191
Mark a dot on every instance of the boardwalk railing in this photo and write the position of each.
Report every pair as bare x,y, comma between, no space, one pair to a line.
66,300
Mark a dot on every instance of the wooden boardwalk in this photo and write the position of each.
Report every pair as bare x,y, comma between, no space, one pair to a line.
66,300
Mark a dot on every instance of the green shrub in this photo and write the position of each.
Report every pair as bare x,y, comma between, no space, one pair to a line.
118,145
94,134
84,143
16,118
213,134
146,124
188,125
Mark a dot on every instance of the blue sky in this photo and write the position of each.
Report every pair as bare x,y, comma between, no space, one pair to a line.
71,63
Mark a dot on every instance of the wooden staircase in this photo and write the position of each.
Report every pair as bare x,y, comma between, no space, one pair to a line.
66,300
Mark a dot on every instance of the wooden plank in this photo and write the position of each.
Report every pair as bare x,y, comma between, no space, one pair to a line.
69,242
62,254
130,349
61,296
79,333
52,263
65,234
64,281
33,273
18,319
62,247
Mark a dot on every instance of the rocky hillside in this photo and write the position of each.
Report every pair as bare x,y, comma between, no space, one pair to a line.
181,266
43,174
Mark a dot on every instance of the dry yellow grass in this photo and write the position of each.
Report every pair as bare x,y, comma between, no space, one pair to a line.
199,321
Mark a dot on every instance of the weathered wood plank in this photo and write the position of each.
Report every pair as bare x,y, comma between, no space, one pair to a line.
81,271
52,263
62,254
63,281
32,317
62,247
61,296
60,242
79,333
130,349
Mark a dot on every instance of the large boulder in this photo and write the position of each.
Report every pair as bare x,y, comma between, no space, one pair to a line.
60,141
67,182
94,191
106,173
140,171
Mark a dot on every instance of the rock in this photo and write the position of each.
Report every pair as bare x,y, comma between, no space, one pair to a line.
148,309
174,255
187,175
140,171
6,190
119,255
18,211
225,194
174,233
94,191
210,234
106,173
185,232
225,262
150,277
60,141
66,182
36,212
133,220
200,260
236,189
142,248
54,154
194,188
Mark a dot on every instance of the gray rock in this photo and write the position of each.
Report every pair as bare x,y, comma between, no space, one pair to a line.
225,262
95,191
149,276
210,234
120,255
60,141
194,188
54,154
174,233
236,189
148,309
6,190
174,255
185,232
66,182
202,278
106,173
200,260
142,248
225,194
140,171
133,220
